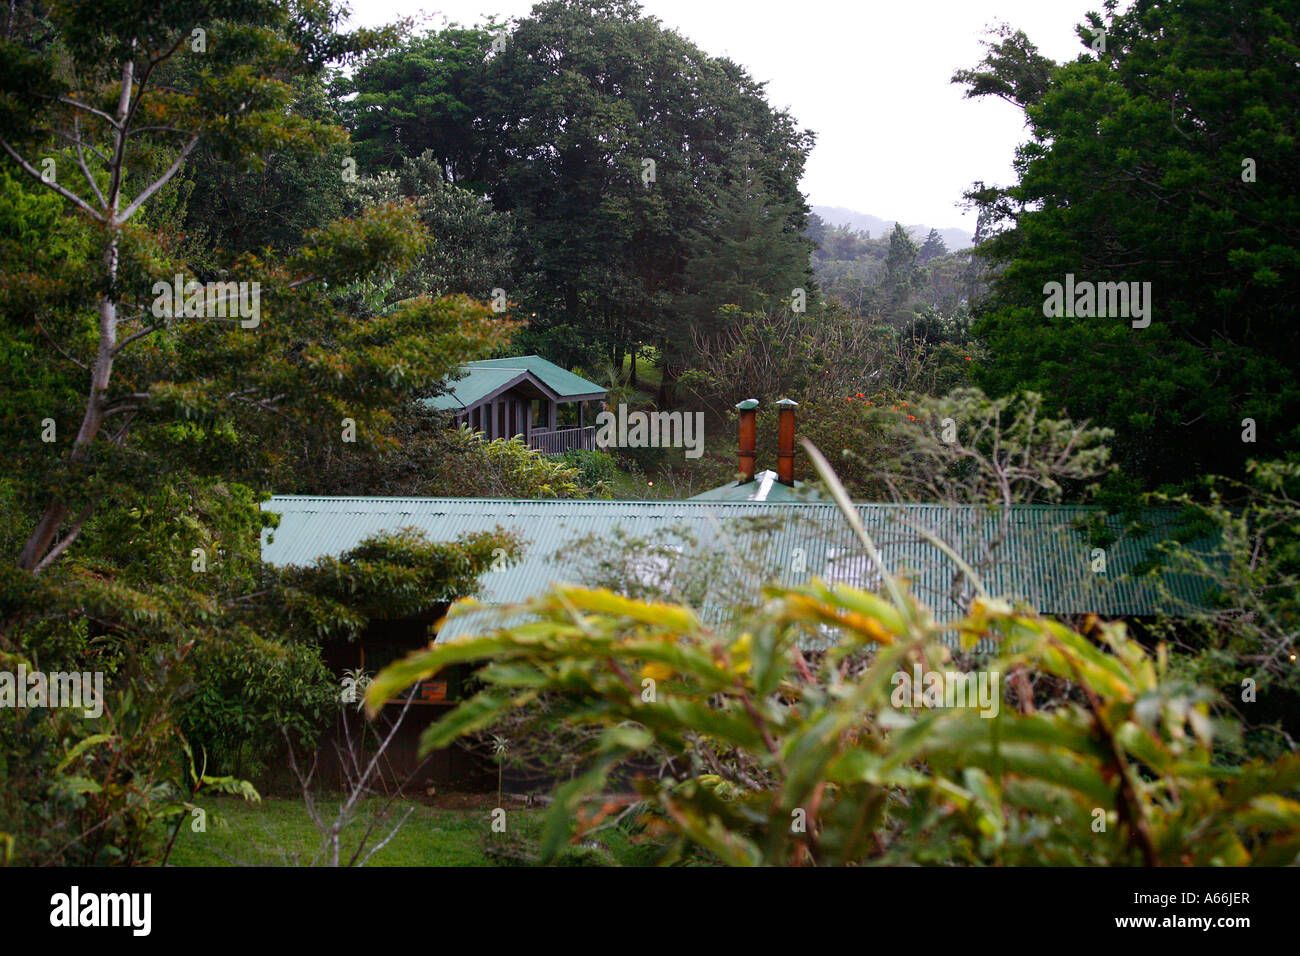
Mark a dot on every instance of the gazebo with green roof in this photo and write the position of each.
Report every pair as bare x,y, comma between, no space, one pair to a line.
521,396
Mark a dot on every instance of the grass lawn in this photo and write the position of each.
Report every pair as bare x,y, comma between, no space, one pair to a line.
278,832
666,474
648,374
629,486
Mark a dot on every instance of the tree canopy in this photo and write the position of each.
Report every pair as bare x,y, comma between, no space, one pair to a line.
622,151
1165,154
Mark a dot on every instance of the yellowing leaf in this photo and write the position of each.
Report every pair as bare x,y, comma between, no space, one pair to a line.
656,671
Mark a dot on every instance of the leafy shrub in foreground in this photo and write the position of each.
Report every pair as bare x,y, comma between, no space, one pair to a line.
773,760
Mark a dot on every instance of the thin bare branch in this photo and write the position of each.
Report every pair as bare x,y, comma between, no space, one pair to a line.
110,120
61,350
81,161
73,533
67,194
161,181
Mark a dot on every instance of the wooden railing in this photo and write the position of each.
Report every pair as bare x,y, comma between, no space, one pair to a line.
560,440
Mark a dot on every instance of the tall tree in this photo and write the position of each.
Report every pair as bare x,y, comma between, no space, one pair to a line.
932,248
1166,153
610,139
744,252
902,275
424,94
132,529
131,94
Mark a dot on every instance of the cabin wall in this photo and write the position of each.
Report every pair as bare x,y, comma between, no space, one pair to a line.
508,415
452,768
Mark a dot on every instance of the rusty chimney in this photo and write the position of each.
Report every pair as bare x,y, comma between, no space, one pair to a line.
785,442
748,438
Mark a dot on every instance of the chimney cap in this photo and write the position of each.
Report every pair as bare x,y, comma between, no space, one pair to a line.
789,402
747,405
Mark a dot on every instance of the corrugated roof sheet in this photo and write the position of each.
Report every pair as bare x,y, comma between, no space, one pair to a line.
559,380
1045,561
764,487
477,384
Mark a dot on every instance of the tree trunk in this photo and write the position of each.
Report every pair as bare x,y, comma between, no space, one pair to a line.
42,538
666,387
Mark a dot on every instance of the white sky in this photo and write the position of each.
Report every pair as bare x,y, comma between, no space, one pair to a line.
894,138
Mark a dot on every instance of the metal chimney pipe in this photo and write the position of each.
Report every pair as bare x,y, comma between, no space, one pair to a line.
748,438
785,442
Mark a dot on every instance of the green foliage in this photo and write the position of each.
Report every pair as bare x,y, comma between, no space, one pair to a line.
43,257
421,98
1012,69
761,741
424,457
387,576
752,257
969,448
826,355
200,393
772,760
1242,637
513,470
1136,172
136,528
247,692
224,660
962,447
471,246
596,469
933,247
849,429
90,791
556,126
890,278
229,209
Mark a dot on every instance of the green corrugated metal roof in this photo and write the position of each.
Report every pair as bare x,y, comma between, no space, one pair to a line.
484,377
764,487
477,384
1044,562
560,381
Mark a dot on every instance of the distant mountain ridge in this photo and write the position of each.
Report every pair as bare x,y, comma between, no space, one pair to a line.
865,222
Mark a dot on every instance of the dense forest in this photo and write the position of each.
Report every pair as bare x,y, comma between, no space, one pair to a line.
240,242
